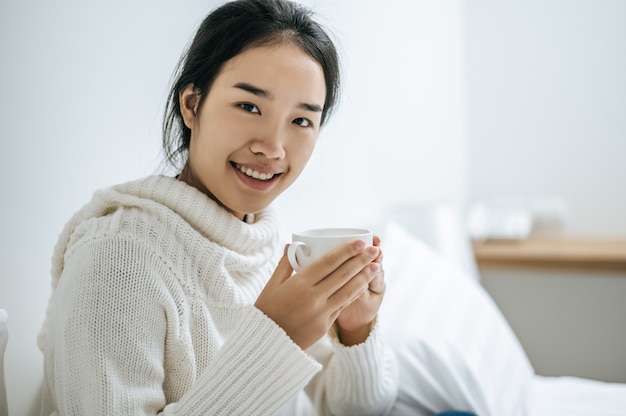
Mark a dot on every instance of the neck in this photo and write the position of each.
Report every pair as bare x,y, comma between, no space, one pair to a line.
187,176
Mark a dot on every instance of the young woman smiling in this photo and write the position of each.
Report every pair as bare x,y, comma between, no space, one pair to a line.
171,294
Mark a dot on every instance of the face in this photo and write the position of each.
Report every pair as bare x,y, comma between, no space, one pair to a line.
256,129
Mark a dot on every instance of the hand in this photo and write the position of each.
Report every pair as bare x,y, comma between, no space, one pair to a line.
306,304
354,323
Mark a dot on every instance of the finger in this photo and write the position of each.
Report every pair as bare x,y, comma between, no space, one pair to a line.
353,289
330,262
376,242
378,284
379,259
348,270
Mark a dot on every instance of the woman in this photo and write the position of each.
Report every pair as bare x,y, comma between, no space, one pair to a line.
170,295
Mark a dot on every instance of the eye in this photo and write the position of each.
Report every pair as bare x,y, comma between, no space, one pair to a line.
302,122
251,108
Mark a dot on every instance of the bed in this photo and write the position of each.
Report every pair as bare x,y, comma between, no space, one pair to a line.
453,342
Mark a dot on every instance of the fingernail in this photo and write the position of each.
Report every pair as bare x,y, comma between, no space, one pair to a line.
359,245
374,268
373,252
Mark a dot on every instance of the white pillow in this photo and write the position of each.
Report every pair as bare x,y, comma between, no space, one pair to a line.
455,349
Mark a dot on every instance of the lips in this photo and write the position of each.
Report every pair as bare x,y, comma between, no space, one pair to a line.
255,179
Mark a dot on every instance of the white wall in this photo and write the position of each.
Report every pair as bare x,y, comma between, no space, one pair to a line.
547,108
83,86
400,133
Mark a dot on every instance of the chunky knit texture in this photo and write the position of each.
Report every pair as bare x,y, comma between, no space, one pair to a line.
152,312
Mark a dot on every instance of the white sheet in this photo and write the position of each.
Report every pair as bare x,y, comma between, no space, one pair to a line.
572,396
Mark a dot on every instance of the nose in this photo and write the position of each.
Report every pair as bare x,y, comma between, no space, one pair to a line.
270,142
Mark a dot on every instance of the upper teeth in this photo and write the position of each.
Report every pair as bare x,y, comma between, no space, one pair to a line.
255,174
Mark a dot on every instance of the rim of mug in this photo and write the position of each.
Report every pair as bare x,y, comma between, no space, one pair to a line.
338,232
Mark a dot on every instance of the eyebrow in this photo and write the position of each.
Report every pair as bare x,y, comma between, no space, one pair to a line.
260,92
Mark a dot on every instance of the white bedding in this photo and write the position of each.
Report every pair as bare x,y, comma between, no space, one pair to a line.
572,396
456,351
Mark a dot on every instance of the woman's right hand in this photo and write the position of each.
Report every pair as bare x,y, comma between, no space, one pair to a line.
306,304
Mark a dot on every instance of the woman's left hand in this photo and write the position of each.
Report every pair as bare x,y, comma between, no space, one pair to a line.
354,323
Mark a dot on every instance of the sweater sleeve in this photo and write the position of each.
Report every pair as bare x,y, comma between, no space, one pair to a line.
256,372
360,379
112,321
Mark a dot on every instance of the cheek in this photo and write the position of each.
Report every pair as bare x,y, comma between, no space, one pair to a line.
217,139
301,153
231,133
199,147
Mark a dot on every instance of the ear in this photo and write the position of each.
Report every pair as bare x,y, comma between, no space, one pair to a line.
189,98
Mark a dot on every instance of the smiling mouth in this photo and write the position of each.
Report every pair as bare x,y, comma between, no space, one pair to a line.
261,176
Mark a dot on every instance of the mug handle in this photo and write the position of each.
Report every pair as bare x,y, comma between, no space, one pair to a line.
292,254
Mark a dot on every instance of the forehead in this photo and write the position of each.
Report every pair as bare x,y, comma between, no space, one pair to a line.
277,68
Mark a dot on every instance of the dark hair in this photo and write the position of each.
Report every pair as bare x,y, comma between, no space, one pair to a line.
230,30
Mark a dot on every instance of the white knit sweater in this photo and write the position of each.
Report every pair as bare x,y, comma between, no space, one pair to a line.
152,313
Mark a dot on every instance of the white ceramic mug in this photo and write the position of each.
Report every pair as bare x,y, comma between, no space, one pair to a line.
310,245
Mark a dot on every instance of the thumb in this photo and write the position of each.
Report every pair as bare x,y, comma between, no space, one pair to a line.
283,269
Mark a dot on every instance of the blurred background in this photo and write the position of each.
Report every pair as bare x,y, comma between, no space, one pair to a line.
444,102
